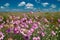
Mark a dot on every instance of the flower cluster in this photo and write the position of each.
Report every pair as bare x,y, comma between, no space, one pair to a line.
31,27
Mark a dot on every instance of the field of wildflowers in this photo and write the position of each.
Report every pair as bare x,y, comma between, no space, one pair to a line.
30,26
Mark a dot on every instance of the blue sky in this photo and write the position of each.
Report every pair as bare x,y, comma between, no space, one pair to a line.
29,5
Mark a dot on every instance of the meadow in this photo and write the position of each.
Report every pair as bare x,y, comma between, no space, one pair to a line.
29,25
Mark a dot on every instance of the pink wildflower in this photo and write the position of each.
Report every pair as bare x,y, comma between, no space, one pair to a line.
53,33
43,34
1,36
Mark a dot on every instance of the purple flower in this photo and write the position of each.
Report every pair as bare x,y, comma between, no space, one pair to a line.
36,38
32,30
8,30
59,20
53,33
26,38
29,33
1,20
21,25
1,36
22,32
17,30
43,34
16,22
1,26
29,21
26,25
34,26
23,20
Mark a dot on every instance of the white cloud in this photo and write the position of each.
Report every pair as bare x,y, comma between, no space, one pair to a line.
7,4
53,6
22,3
2,7
58,0
45,4
29,6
